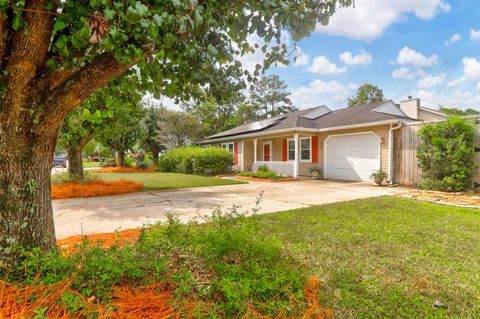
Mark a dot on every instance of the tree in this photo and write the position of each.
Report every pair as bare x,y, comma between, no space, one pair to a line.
54,54
177,128
459,112
270,95
96,113
367,93
123,130
150,125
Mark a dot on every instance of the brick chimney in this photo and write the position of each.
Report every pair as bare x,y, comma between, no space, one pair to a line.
410,107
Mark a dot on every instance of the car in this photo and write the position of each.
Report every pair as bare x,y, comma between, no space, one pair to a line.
59,161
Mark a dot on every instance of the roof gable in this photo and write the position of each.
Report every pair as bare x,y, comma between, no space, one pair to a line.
389,108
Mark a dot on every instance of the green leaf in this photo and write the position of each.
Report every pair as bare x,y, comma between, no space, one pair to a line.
48,6
59,25
109,13
17,22
141,8
158,20
212,50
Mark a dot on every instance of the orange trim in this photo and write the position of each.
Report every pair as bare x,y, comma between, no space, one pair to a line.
285,150
235,153
314,149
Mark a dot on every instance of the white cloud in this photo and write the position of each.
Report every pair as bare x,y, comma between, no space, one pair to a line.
457,98
430,81
474,34
302,58
363,57
318,92
471,72
321,65
369,18
409,56
407,73
454,38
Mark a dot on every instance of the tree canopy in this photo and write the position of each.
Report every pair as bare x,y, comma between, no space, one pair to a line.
460,112
56,53
367,93
270,96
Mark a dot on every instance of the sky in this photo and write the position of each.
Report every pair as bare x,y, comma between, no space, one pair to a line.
429,49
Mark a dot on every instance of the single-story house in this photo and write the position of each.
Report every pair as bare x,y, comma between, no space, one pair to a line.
348,143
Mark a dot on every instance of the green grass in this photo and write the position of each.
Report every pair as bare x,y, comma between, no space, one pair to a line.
87,164
157,180
387,257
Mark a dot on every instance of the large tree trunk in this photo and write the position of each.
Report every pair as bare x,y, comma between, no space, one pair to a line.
75,162
120,158
26,215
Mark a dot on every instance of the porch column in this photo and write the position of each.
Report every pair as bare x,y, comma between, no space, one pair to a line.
295,164
255,150
242,167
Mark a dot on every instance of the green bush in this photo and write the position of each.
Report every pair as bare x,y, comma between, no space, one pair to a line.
263,168
446,154
141,165
227,260
262,174
127,161
196,159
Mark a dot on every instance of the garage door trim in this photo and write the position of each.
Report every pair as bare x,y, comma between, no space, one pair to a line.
325,148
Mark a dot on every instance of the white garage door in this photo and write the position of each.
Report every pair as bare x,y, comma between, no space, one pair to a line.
352,157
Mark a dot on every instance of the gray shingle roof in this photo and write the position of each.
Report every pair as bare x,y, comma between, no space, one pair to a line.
360,114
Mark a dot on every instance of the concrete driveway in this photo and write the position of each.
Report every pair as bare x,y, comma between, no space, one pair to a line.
107,214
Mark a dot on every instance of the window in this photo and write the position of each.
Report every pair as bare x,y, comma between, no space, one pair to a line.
291,150
228,146
305,149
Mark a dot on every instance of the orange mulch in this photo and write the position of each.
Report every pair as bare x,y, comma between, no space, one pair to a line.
94,188
106,240
120,169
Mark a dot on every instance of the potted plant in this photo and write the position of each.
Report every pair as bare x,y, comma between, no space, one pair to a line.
379,176
315,172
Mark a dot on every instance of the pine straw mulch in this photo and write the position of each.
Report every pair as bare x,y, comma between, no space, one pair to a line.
94,188
120,169
156,301
452,199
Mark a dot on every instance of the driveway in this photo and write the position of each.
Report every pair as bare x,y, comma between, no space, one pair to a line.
107,214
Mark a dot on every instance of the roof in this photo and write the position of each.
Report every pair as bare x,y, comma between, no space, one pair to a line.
427,109
318,118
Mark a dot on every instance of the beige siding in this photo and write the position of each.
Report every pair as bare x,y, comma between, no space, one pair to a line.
429,116
248,155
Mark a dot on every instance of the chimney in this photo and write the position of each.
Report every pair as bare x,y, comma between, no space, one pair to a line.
410,107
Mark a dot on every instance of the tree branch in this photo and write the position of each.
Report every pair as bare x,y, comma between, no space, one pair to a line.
67,96
28,54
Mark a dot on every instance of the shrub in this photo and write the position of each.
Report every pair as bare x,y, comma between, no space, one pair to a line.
446,154
262,174
127,161
108,162
141,165
263,168
195,159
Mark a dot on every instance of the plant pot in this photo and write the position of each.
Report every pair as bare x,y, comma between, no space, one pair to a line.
378,180
315,175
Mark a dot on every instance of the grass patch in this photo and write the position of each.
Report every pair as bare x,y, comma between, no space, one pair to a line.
157,180
87,164
387,257
263,175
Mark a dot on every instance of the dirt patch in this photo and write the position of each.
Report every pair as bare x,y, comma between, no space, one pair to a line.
94,188
453,199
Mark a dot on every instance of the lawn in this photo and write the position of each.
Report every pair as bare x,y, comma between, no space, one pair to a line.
157,180
387,257
87,164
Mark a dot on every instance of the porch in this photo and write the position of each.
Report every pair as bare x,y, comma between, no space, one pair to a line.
289,155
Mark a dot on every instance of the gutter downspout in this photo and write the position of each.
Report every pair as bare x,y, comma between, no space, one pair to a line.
390,151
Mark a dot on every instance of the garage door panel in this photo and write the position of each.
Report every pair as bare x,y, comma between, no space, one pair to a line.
352,157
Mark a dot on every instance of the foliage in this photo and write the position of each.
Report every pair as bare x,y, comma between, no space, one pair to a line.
141,165
108,162
270,97
367,93
263,175
379,176
459,112
315,168
196,159
63,178
150,126
446,154
228,261
263,168
176,128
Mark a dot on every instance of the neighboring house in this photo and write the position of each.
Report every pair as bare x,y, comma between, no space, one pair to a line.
347,144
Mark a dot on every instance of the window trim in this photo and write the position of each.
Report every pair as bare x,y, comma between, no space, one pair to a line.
309,160
226,146
288,149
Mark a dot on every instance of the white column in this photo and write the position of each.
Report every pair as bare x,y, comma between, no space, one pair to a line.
242,168
255,150
297,157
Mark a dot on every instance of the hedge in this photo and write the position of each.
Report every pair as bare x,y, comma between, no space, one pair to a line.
196,160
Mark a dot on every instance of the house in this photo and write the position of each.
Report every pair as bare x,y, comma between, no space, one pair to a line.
347,144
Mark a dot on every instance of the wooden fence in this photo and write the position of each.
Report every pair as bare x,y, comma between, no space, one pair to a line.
405,164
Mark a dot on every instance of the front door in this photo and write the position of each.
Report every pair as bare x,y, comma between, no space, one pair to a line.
266,152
